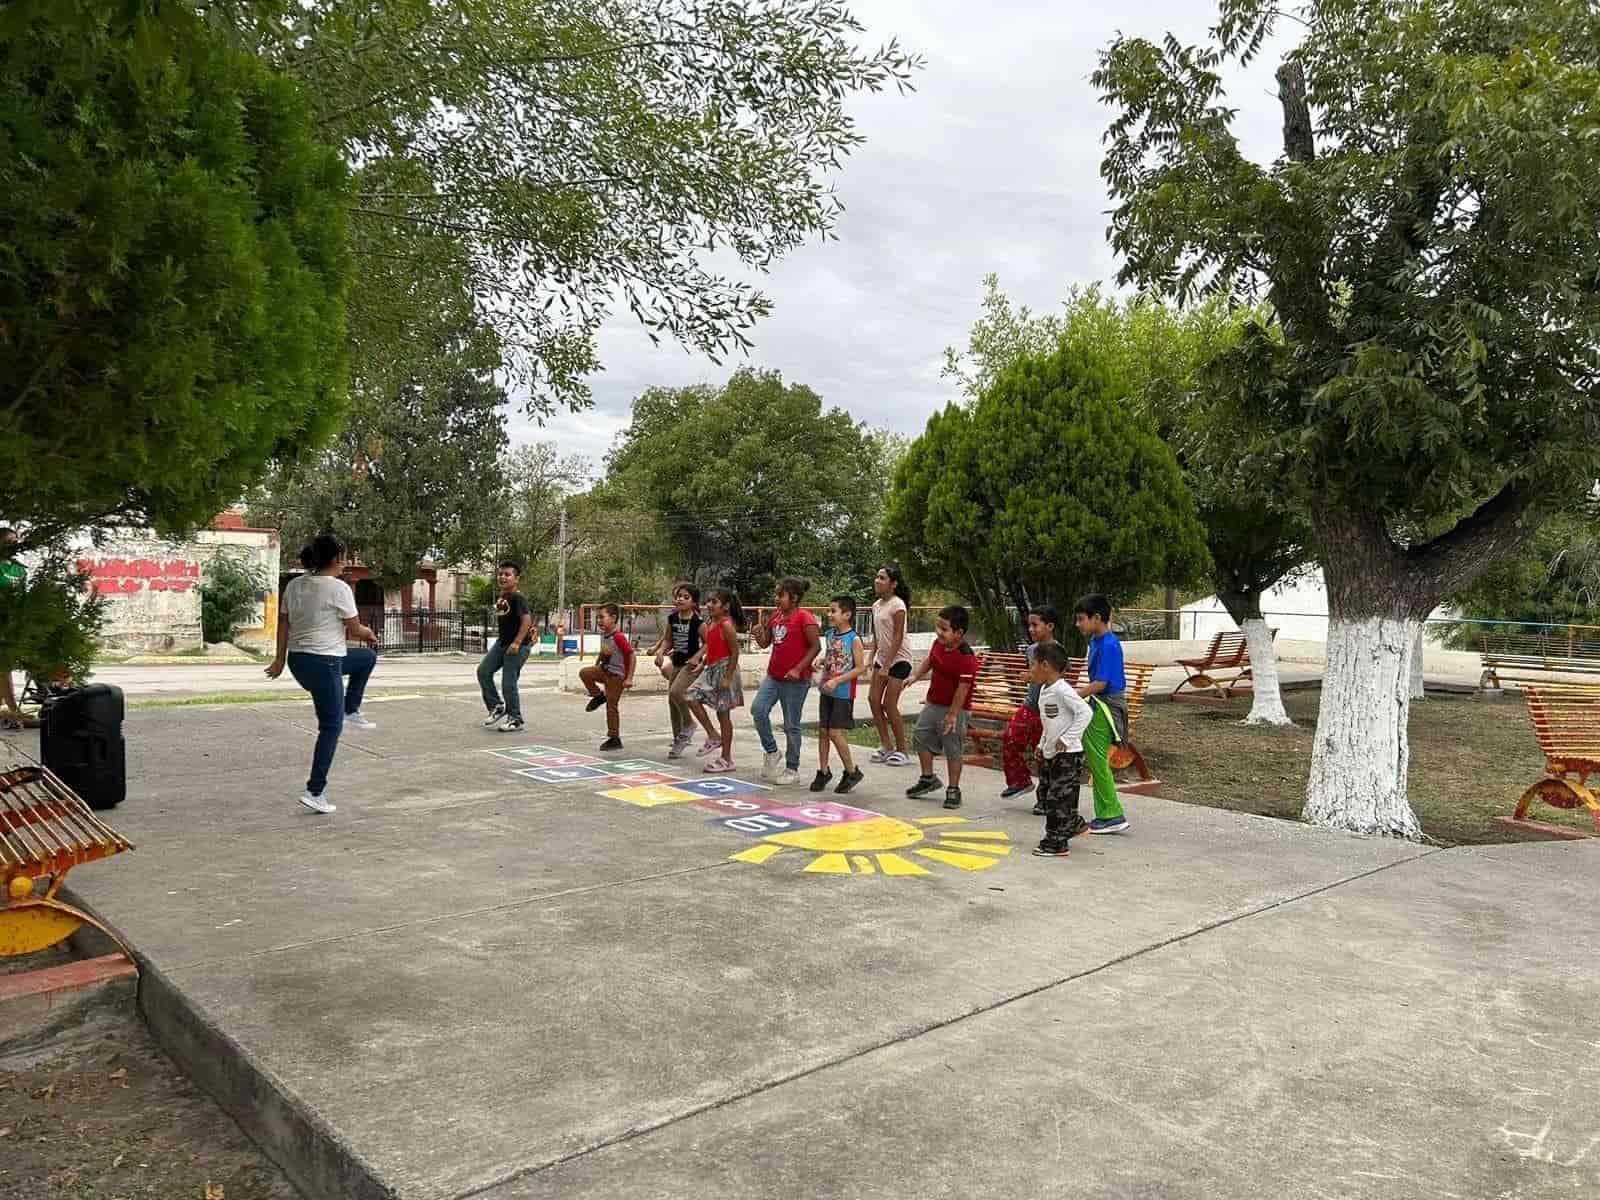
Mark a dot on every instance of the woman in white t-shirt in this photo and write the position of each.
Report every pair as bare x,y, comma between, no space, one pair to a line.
891,665
316,619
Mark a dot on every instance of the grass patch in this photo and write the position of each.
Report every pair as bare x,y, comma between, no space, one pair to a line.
277,697
1470,760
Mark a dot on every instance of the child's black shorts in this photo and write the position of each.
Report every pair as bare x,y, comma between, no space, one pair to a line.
836,712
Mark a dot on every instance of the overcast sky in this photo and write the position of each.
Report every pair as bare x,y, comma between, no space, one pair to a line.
992,164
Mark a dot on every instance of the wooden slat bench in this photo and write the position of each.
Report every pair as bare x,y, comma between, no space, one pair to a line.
1534,657
1566,721
1228,652
1002,686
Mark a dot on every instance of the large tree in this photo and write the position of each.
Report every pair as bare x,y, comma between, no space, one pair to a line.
1429,241
414,475
172,295
584,154
1050,485
755,480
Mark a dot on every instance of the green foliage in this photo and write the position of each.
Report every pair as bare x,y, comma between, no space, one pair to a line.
230,589
753,481
1553,580
171,301
1428,245
1049,486
539,482
480,594
415,475
52,622
558,157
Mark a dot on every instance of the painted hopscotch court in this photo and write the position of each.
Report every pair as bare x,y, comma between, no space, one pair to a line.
831,838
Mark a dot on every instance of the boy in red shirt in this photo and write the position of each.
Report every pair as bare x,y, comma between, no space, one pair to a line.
943,723
610,674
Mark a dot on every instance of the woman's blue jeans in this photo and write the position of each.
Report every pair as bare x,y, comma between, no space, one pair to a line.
323,676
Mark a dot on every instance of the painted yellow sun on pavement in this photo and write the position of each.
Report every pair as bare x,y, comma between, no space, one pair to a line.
872,845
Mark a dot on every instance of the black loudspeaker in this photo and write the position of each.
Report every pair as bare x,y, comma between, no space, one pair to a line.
80,739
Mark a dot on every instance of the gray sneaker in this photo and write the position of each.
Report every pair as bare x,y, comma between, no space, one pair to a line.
495,717
356,721
317,803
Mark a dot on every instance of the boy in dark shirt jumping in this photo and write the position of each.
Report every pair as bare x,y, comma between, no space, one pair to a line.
509,654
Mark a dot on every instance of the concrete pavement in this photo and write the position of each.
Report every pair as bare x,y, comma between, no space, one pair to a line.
474,982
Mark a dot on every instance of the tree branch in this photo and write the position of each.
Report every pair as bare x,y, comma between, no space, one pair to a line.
1298,140
1451,561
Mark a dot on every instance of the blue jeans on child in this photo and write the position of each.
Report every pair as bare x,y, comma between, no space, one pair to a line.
511,665
323,676
791,693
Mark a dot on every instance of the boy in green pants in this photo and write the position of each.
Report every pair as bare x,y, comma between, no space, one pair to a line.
1105,687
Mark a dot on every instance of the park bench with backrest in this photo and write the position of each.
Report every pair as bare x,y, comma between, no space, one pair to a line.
1566,722
1228,652
1002,686
1534,657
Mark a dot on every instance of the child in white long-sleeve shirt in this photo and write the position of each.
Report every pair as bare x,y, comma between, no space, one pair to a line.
1065,715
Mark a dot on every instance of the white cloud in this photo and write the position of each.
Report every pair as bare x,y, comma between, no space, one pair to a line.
991,165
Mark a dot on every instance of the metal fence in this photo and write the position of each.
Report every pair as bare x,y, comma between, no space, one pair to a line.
422,631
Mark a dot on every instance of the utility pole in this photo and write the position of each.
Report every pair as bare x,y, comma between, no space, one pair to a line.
561,584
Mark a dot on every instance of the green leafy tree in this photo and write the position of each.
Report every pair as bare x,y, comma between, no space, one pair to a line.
415,475
539,483
558,158
230,588
1049,486
172,300
755,480
53,620
1554,579
1428,241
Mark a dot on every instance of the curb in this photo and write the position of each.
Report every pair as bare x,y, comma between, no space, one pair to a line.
315,1156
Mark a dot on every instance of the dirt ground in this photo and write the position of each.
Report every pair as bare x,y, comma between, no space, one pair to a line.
112,1118
1471,759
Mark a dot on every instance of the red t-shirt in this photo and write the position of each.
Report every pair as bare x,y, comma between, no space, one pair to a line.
717,643
950,667
789,640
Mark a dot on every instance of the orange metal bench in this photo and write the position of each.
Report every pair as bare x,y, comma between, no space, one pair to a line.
1566,720
1227,652
45,831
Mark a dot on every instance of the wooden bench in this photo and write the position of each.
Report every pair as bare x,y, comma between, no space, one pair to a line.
1566,721
1002,686
1227,652
1534,657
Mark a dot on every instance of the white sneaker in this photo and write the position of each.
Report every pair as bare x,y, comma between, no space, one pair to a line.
317,803
786,778
771,765
357,721
492,721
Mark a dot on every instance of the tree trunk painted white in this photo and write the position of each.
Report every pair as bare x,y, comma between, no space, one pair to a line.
1359,758
1418,687
1266,706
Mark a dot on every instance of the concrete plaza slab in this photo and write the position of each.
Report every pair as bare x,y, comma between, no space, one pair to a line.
470,982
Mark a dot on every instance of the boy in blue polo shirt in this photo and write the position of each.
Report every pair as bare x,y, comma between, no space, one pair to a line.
1105,687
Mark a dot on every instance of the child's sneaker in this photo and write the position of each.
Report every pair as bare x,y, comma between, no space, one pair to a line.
595,702
786,778
513,725
1015,790
1038,808
822,780
680,744
771,764
1108,824
952,797
880,756
316,803
719,766
897,758
1051,849
611,743
851,778
708,749
495,717
924,785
